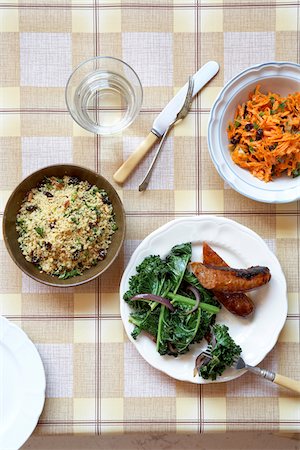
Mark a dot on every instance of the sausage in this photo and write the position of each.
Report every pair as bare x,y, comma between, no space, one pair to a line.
227,279
236,303
211,257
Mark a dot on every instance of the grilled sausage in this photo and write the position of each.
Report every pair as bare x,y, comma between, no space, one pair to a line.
227,279
211,257
236,303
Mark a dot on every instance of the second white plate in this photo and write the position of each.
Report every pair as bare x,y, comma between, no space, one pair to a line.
239,247
22,386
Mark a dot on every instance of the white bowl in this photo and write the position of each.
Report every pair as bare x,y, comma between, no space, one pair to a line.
279,77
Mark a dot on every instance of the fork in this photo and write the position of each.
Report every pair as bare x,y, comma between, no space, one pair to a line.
180,115
239,363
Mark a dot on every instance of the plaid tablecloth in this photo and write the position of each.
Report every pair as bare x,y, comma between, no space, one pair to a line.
96,380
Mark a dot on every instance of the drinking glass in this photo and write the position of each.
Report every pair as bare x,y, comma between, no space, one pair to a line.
104,95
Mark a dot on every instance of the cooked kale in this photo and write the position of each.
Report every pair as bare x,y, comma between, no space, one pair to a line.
224,352
150,278
173,331
191,321
146,320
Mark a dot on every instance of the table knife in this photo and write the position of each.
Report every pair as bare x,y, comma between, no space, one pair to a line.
162,121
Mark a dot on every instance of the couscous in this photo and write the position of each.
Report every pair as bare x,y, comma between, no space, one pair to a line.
65,226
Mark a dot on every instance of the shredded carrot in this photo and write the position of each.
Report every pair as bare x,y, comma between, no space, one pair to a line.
265,135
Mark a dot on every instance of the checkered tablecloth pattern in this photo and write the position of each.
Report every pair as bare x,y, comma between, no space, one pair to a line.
96,381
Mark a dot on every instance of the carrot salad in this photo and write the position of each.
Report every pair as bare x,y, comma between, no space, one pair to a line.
265,135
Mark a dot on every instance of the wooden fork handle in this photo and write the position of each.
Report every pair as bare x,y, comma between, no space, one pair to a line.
130,164
286,382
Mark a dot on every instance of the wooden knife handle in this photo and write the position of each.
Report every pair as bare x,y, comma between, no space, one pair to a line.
287,382
130,164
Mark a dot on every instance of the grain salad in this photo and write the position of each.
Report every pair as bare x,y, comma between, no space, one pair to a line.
65,226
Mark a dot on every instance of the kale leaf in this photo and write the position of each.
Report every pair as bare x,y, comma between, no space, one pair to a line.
177,261
146,320
149,279
223,353
179,331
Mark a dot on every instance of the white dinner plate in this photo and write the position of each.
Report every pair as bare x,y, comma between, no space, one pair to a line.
239,247
22,386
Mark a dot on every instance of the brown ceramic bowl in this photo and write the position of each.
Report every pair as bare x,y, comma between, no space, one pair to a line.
11,235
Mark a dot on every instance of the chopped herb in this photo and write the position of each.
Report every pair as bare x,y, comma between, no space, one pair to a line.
272,100
261,114
40,231
94,208
72,273
75,220
296,172
94,190
237,123
251,149
281,105
256,126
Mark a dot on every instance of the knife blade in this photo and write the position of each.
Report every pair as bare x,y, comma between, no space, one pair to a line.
162,121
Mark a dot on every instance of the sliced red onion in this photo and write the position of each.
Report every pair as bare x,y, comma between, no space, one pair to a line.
154,298
197,297
172,348
201,360
149,335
